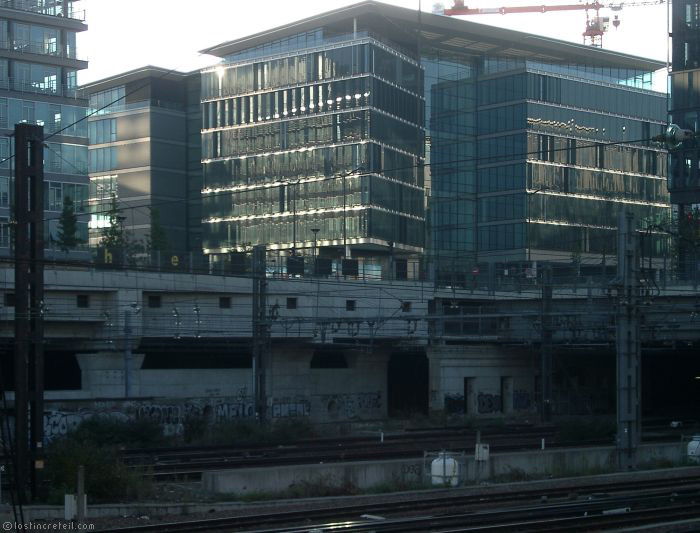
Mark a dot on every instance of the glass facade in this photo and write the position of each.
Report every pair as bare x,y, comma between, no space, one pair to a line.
560,158
684,179
38,67
145,154
454,154
330,140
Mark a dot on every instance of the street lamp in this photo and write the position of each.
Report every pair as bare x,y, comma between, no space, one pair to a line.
315,232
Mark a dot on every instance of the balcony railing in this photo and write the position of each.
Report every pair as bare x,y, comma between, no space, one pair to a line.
54,11
25,86
42,48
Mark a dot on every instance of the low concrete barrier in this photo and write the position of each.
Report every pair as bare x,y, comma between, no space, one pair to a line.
366,474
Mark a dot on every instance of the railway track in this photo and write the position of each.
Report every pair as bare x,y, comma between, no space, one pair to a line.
180,464
596,505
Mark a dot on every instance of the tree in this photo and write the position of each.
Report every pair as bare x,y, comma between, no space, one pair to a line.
68,226
157,240
116,238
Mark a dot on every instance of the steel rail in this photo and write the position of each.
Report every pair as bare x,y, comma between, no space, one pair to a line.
657,488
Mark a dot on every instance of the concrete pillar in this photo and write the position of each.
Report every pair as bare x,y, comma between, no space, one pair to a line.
481,380
102,374
295,389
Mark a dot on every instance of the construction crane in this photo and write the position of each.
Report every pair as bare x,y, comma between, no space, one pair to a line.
596,25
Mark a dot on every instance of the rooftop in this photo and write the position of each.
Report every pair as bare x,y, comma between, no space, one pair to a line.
448,33
141,73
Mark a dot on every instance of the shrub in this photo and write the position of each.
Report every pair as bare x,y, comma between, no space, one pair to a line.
95,444
248,432
106,431
106,477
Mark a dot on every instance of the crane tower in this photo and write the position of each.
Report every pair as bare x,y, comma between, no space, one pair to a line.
596,25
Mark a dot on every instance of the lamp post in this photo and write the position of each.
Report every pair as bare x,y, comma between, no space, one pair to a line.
315,232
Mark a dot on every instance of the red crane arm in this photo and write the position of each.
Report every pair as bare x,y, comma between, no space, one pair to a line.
460,9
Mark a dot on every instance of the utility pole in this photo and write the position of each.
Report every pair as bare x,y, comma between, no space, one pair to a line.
628,344
259,330
29,302
546,345
127,350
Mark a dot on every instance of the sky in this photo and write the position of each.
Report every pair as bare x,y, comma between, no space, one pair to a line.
127,34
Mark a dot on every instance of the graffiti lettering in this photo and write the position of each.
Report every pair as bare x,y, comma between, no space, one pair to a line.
415,469
454,404
489,403
289,407
522,400
358,405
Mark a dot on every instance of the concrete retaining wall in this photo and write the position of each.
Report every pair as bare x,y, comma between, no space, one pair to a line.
365,474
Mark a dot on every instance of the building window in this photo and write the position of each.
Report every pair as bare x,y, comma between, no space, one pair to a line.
102,131
83,300
350,305
154,301
3,104
102,159
9,299
291,303
225,302
108,101
4,232
4,192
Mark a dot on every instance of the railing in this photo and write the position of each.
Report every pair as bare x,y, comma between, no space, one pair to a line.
25,86
141,104
41,48
53,11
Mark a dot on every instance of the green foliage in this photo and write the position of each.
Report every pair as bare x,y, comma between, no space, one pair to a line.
68,226
116,238
95,444
157,240
105,431
248,432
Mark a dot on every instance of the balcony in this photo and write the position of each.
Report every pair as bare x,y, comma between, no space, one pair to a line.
25,86
41,48
57,10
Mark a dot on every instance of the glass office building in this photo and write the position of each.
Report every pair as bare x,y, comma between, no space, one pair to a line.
38,77
145,151
684,182
321,141
384,132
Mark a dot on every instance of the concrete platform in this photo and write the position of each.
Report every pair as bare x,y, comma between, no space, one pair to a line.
366,474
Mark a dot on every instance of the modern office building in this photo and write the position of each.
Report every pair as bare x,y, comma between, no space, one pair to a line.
145,155
394,133
684,179
38,85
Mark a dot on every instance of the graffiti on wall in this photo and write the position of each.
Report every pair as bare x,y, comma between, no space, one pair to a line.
357,405
63,417
489,403
171,415
289,407
58,423
522,400
454,404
